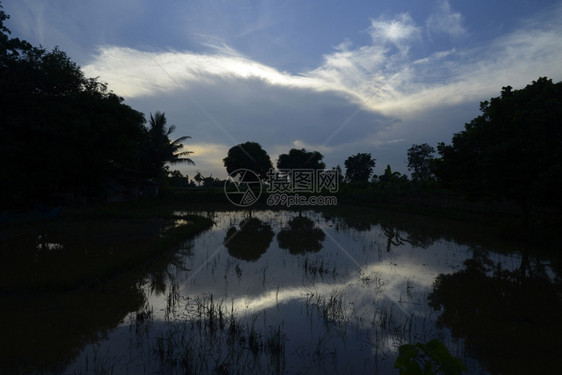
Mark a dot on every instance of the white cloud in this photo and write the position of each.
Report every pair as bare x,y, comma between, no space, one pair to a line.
478,73
446,21
399,31
358,97
134,73
444,77
350,72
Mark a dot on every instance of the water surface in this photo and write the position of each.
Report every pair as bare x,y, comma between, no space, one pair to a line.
308,292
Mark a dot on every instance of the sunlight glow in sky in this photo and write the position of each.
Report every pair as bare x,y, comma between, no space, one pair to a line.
338,77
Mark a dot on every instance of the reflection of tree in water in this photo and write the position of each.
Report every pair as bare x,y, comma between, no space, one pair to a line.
160,271
419,234
423,239
44,332
393,237
358,224
250,241
301,235
513,320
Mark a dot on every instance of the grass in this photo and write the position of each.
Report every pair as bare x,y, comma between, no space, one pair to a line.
211,339
318,266
207,336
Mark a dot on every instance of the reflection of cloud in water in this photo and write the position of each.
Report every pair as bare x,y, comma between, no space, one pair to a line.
385,295
359,289
385,282
374,280
406,266
388,280
375,299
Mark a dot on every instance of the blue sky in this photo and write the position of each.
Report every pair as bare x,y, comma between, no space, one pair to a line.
340,77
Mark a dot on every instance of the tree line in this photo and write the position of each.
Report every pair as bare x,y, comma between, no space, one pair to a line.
358,168
61,131
512,151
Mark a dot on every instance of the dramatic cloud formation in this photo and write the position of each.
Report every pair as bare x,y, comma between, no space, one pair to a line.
341,80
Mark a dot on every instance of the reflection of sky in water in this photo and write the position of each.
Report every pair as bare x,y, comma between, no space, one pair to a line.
278,277
371,273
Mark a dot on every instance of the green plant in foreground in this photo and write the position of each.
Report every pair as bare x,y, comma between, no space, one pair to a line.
427,359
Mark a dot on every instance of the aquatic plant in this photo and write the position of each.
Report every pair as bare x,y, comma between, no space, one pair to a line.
428,358
212,339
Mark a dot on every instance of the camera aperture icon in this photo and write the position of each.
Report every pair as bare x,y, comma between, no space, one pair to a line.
243,187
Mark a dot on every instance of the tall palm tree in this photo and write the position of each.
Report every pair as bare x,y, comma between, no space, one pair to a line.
160,148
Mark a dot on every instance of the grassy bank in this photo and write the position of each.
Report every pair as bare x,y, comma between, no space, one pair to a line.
86,247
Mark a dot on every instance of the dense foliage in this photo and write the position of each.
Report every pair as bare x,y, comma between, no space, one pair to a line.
158,149
248,155
513,150
301,159
359,167
420,161
63,132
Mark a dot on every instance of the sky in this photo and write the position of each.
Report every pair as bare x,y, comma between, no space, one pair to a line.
339,77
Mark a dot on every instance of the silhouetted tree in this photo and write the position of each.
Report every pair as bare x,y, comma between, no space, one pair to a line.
160,149
420,159
301,159
249,155
512,150
359,167
60,130
339,173
10,48
198,178
392,182
176,178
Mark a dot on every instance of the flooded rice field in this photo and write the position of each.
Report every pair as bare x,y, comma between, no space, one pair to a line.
285,292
